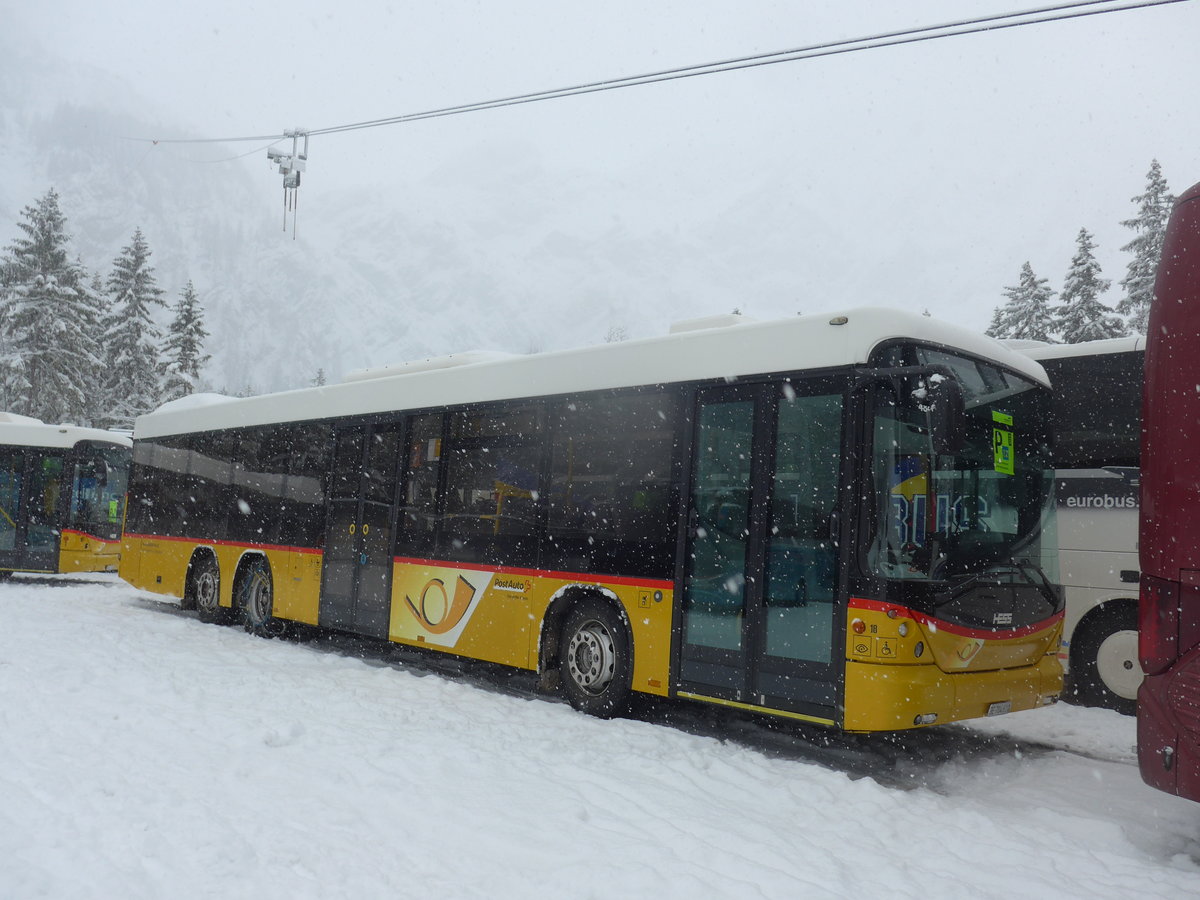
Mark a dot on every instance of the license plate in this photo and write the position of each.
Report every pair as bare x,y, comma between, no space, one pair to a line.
999,708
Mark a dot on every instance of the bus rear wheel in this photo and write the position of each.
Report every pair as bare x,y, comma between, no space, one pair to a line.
204,592
1104,660
595,662
256,599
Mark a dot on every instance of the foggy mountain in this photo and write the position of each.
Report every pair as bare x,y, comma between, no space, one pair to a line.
374,279
491,249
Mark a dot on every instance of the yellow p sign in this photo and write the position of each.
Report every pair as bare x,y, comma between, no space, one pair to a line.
1003,450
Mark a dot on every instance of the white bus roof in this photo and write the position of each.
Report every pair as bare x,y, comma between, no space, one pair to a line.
1083,348
24,431
746,348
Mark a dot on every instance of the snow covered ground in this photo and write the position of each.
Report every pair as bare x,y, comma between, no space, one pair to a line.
143,754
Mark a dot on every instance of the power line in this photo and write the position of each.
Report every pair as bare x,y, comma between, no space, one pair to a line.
815,51
996,22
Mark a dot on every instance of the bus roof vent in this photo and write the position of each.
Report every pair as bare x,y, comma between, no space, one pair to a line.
1023,343
14,419
722,321
192,401
453,360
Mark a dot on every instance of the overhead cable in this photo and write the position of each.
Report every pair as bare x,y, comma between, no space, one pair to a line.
1055,13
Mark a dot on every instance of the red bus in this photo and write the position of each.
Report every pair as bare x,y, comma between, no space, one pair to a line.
1169,533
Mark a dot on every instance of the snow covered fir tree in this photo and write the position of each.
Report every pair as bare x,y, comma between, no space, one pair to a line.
77,348
1082,315
184,348
49,353
1150,225
1027,314
131,338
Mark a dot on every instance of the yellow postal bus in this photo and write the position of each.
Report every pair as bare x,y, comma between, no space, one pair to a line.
838,519
62,496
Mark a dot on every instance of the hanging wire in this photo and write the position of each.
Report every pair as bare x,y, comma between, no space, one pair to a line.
1041,15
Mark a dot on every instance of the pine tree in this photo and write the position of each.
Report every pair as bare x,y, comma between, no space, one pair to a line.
131,338
1026,315
97,303
49,357
1150,224
319,379
1082,316
184,347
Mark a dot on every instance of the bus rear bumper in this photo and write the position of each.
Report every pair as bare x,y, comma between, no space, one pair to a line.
891,698
84,553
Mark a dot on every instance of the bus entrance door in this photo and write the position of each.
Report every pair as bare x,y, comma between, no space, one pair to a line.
357,573
31,509
759,588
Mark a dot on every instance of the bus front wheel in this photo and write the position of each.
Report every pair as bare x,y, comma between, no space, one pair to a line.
1104,660
595,661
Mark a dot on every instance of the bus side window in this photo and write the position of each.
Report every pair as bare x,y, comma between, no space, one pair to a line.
609,501
308,443
422,466
493,474
12,468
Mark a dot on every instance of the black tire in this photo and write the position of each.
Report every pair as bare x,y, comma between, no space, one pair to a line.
256,600
595,662
1105,670
204,592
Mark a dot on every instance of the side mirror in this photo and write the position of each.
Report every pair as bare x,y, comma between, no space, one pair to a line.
941,397
935,392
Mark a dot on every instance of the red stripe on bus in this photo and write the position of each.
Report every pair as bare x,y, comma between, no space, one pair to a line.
950,627
442,564
186,540
538,573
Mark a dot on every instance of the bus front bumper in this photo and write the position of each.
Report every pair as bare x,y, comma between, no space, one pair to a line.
895,697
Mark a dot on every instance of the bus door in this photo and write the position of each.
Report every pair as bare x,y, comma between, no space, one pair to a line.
357,572
759,589
31,508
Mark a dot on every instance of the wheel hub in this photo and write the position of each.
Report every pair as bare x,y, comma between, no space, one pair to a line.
206,591
592,657
1117,663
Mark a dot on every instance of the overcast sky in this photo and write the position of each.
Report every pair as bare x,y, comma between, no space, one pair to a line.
1022,133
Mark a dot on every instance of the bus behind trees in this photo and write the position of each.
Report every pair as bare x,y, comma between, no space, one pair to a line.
837,519
1169,537
62,496
1097,455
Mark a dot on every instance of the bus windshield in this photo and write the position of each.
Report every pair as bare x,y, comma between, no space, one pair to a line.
980,503
97,505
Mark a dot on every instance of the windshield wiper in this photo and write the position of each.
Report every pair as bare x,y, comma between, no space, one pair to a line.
1045,588
1021,567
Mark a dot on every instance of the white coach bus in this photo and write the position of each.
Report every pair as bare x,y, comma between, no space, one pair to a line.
1098,404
